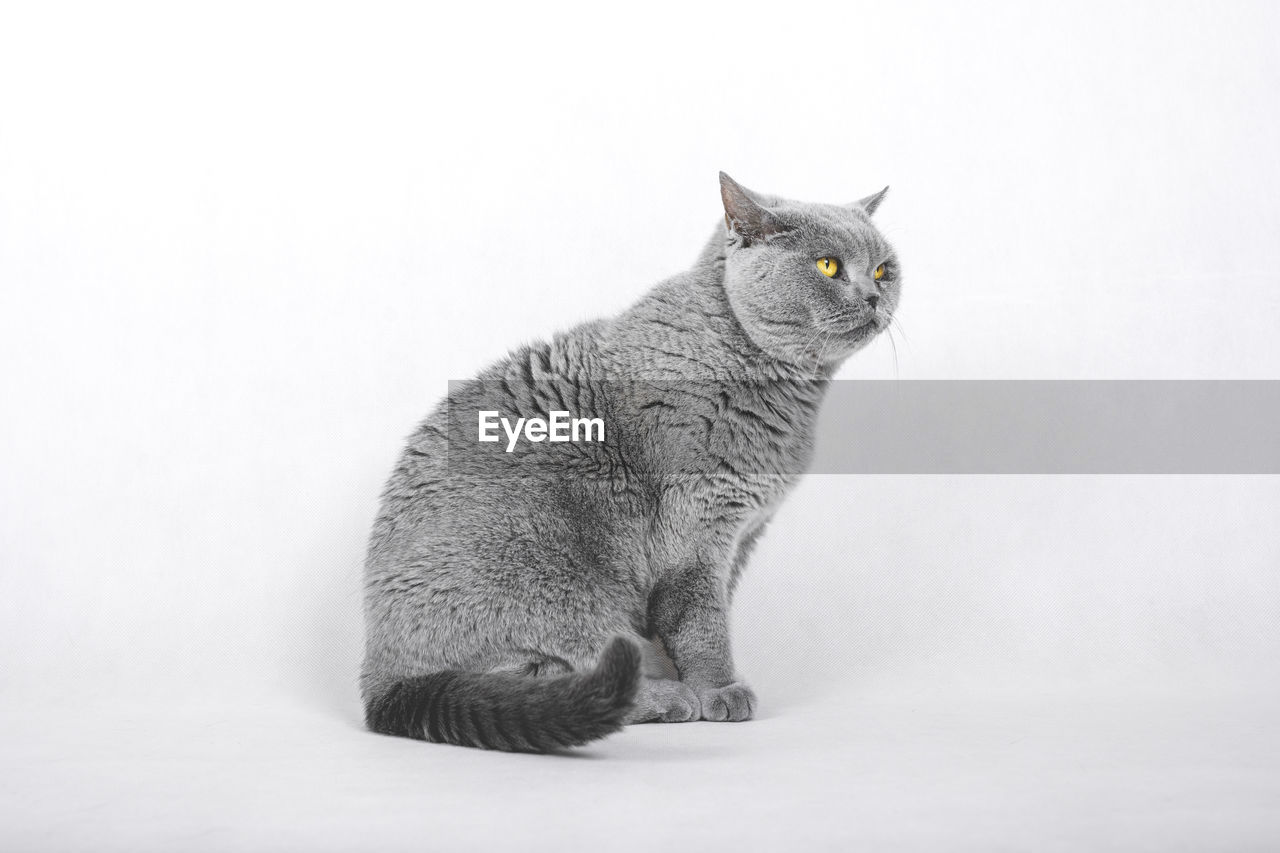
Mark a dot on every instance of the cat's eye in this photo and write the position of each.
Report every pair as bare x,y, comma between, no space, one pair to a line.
879,273
828,267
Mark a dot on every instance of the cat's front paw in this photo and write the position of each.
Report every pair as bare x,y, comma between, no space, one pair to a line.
661,701
732,703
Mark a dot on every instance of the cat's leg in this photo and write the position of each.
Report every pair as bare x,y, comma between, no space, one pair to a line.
661,700
533,665
661,697
690,613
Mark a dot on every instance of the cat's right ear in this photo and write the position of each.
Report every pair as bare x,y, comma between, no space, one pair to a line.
871,202
743,215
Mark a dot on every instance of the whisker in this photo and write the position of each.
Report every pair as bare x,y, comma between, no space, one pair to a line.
894,321
894,345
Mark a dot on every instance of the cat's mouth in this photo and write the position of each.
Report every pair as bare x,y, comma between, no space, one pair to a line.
840,343
867,328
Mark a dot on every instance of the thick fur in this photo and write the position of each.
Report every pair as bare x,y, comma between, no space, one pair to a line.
495,581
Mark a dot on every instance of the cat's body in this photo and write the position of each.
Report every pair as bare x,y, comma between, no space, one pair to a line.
537,599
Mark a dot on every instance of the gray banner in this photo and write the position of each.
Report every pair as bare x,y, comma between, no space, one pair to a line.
866,427
1050,427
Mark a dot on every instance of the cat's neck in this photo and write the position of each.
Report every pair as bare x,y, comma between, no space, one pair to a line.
685,328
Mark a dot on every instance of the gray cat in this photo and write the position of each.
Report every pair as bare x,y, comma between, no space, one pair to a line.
532,595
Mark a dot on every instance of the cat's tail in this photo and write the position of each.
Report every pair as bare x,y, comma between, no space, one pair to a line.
516,713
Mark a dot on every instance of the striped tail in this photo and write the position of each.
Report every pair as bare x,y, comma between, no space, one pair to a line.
516,713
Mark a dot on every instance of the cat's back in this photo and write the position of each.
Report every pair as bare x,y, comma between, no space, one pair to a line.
444,468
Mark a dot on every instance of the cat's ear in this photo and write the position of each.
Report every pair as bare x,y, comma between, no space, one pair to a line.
744,215
871,202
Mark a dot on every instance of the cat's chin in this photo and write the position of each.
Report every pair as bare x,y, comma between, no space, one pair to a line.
862,335
836,352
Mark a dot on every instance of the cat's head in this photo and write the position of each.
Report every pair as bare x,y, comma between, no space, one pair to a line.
810,283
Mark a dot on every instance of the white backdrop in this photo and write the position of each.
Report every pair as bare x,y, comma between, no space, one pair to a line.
243,249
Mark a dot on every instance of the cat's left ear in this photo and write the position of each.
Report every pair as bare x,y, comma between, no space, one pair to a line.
743,214
871,202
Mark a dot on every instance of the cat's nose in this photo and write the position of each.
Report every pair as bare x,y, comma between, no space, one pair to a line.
872,300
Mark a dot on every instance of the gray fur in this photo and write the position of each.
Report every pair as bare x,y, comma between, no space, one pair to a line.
496,581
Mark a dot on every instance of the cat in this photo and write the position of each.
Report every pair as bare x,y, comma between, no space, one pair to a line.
535,596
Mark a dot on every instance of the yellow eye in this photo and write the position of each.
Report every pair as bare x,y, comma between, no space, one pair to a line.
879,273
828,267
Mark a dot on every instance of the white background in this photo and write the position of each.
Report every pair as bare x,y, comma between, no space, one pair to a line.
243,249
